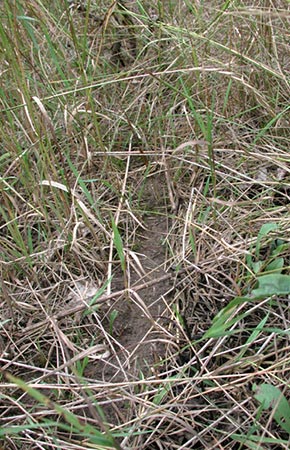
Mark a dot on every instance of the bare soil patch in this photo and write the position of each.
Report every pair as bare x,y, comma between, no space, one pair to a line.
140,329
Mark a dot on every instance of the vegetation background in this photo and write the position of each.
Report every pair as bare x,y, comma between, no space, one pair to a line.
144,227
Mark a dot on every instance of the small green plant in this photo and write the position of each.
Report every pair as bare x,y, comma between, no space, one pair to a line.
271,262
268,282
268,286
271,398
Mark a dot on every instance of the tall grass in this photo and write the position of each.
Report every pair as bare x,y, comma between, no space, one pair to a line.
121,122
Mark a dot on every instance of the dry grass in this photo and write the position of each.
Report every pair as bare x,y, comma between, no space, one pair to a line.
144,188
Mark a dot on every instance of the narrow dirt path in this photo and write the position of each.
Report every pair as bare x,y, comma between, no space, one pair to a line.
139,325
139,336
142,316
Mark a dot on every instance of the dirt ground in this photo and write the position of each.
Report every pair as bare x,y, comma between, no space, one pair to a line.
143,318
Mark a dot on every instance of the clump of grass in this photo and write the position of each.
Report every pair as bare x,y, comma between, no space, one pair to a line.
113,113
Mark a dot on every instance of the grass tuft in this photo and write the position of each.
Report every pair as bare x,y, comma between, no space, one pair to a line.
144,224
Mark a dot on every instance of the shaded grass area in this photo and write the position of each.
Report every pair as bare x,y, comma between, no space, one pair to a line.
144,146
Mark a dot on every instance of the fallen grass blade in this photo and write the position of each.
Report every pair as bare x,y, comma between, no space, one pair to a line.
85,431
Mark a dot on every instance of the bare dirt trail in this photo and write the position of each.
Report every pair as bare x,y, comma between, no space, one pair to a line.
142,315
146,316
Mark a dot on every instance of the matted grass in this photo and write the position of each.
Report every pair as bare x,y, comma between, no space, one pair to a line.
144,230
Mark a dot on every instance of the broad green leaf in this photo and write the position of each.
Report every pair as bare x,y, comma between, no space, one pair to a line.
275,265
256,266
272,398
272,284
265,229
280,249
